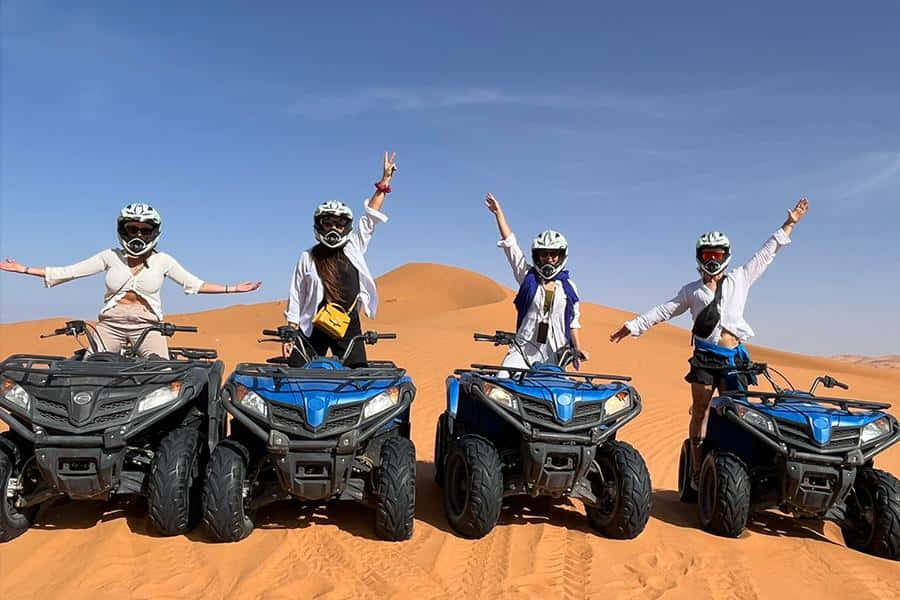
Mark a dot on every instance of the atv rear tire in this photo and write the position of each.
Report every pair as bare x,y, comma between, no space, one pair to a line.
724,496
174,489
623,490
396,492
440,449
473,486
13,521
873,514
686,493
224,509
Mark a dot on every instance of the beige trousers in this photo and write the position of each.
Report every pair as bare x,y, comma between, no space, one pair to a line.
126,322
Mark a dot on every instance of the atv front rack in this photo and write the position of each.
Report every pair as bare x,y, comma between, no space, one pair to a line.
59,366
379,372
523,373
843,403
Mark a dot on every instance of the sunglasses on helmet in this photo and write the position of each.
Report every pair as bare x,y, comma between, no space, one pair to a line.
333,222
139,230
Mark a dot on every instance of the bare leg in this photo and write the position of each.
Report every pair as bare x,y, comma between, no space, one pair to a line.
701,395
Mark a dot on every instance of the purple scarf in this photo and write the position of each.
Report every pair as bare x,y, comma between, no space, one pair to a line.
529,288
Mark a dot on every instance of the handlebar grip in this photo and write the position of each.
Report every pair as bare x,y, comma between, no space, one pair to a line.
483,337
841,385
188,328
387,336
271,332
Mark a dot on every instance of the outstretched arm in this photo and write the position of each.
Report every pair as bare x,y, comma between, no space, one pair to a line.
657,314
194,285
56,275
234,288
10,265
759,262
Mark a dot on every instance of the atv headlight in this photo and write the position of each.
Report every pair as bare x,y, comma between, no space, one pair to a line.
252,401
756,419
380,403
501,396
875,430
159,397
15,393
617,404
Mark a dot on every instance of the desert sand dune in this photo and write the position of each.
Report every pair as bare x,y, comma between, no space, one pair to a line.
539,550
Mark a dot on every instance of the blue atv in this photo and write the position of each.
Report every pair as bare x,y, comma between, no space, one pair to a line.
809,456
540,431
318,432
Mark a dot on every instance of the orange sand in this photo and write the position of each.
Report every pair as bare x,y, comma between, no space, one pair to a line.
93,550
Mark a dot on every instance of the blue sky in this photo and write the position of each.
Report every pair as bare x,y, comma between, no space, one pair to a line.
629,128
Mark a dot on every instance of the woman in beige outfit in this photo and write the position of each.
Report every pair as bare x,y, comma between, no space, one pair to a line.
134,278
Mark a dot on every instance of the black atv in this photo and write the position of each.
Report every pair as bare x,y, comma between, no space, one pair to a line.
100,424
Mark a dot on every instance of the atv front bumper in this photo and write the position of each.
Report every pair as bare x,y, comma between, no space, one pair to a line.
318,469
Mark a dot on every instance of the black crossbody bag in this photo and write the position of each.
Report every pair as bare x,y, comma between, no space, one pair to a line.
710,316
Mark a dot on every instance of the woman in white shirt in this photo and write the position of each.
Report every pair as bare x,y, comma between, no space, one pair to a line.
335,271
134,278
719,327
547,304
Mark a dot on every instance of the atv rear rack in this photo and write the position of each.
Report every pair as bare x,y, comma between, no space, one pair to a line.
522,373
843,403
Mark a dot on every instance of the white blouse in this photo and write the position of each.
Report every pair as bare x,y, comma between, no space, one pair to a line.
147,283
307,290
556,335
695,296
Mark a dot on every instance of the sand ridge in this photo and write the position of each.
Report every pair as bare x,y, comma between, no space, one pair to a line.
539,550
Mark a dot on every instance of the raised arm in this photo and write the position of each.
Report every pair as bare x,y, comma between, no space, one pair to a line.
508,242
494,206
56,275
657,314
372,216
759,262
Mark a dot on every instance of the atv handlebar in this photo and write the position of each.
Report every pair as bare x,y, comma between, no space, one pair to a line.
287,334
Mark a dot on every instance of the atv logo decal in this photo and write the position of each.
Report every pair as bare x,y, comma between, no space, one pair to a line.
81,398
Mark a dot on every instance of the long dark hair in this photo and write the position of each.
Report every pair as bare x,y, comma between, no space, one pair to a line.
326,260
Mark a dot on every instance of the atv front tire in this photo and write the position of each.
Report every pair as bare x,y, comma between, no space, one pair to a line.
440,449
686,493
623,490
873,514
224,508
473,486
13,521
396,491
724,496
175,483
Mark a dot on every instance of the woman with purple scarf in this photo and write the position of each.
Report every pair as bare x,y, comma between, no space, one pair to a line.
547,312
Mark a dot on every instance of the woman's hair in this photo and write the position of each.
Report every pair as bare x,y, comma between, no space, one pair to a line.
326,260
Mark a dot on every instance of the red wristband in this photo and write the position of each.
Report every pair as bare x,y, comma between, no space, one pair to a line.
384,188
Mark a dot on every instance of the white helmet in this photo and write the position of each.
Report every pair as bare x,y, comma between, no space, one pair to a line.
138,244
550,240
329,236
713,240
